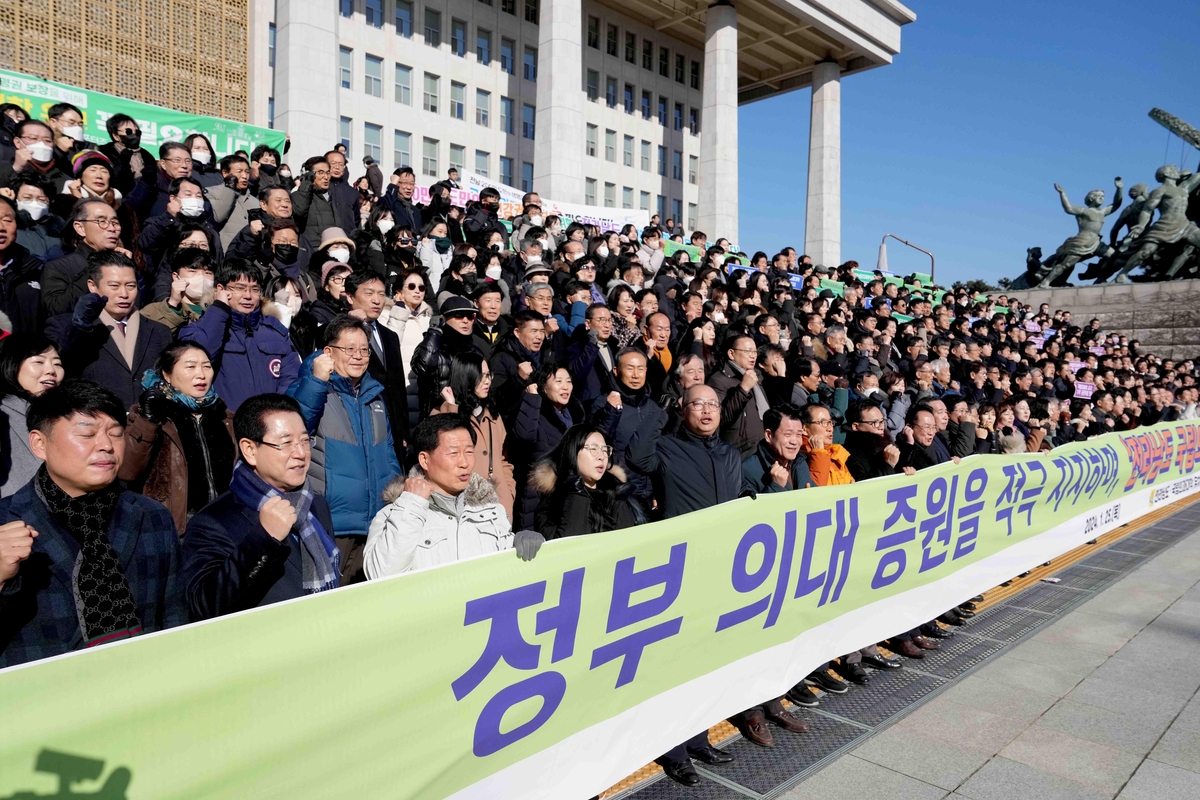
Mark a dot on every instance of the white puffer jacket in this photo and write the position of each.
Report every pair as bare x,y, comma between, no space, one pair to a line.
411,330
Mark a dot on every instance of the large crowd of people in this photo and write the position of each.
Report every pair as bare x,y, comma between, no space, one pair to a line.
228,382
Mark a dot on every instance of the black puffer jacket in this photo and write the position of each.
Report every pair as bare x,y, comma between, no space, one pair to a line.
431,362
568,508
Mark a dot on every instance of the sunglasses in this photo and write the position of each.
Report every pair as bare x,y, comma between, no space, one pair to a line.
415,286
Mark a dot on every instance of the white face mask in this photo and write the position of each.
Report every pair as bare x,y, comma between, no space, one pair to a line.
202,158
385,225
341,254
191,206
75,132
536,221
285,315
33,208
602,251
40,151
493,272
545,243
197,287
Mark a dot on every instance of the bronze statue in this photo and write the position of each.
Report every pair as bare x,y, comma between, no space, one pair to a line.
1172,226
1087,242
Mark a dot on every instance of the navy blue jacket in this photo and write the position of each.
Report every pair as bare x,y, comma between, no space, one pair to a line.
251,353
756,471
38,616
231,563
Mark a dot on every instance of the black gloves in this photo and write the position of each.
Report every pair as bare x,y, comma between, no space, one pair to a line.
87,310
154,405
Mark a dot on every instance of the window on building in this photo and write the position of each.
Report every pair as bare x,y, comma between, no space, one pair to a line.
404,18
644,201
629,98
458,38
270,112
530,71
509,7
593,33
346,66
431,92
429,157
528,118
691,220
677,210
610,145
646,102
664,62
508,57
678,119
482,160
483,46
662,111
694,121
647,54
433,28
458,96
404,84
373,141
645,156
458,158
589,191
593,84
271,45
487,3
531,15
627,151
526,176
662,160
506,172
506,115
695,78
402,149
345,125
590,141
610,195
680,68
610,91
373,84
677,165
631,47
660,206
611,40
693,169
626,197
483,107
374,12
347,8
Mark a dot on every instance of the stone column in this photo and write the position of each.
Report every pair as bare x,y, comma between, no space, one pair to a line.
718,212
558,137
823,215
306,77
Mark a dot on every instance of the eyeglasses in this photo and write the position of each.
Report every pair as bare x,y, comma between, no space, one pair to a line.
302,445
363,352
598,450
105,223
179,160
874,423
744,350
244,288
339,281
822,422
703,404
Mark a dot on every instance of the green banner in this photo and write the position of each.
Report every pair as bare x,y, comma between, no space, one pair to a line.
158,124
496,678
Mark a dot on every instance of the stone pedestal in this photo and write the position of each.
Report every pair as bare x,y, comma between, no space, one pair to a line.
558,141
718,212
823,215
306,72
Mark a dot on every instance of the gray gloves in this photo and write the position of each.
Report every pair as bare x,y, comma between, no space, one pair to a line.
527,544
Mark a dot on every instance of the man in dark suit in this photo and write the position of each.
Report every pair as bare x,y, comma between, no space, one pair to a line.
106,339
268,538
93,227
365,293
82,562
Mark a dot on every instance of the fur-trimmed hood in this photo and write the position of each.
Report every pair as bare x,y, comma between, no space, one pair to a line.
479,492
544,477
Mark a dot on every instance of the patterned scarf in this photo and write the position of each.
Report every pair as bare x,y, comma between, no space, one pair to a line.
319,554
153,379
103,600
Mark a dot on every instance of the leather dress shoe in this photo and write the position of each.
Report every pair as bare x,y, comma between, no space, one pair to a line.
925,644
802,696
906,648
709,755
977,599
683,773
950,618
827,683
879,662
965,613
755,729
931,630
970,605
852,672
788,722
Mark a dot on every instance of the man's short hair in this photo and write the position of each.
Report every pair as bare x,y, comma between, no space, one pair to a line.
173,189
233,268
191,258
429,432
166,148
100,259
339,325
855,412
403,171
358,278
264,194
70,398
264,150
250,420
806,413
777,414
528,315
58,109
25,124
489,193
226,163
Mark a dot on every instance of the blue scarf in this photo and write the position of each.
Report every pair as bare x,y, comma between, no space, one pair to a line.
319,553
153,379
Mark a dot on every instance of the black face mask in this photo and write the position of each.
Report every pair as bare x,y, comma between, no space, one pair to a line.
469,279
492,207
286,253
267,169
131,140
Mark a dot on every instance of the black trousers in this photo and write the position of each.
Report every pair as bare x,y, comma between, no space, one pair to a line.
678,753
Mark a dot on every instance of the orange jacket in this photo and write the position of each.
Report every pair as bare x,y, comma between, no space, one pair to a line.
828,466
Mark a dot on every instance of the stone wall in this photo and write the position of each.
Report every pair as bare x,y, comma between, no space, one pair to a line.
1164,316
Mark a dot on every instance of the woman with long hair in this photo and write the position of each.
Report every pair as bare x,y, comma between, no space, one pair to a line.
409,317
582,491
204,160
29,365
700,339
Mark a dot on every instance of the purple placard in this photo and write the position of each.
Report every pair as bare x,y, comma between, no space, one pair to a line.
1032,326
1084,391
1097,351
1038,341
1076,365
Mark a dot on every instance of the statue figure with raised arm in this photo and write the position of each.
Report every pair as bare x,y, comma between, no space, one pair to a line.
1172,225
1087,242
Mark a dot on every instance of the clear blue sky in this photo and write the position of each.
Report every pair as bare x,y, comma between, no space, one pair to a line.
956,146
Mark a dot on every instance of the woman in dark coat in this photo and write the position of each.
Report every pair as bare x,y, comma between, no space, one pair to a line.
582,491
